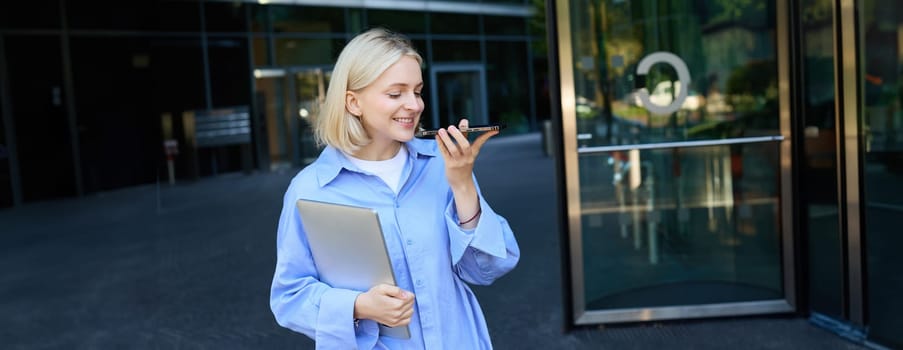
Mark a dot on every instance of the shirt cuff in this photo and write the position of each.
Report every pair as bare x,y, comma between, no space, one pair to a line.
335,321
487,237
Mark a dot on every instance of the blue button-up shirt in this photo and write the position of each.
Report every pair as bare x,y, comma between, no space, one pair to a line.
431,255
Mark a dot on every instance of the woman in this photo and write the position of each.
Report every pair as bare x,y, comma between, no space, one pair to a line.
439,231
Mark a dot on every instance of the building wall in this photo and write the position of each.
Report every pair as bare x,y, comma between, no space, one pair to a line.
88,82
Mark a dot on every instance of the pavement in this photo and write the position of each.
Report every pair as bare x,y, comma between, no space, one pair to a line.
189,266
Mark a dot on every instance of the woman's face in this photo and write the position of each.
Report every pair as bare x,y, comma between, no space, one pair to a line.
390,107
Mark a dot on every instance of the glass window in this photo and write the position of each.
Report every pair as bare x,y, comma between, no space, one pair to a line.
420,46
38,14
261,51
133,81
729,86
450,23
134,15
294,51
456,51
229,72
225,17
506,78
34,73
406,22
306,19
459,93
881,87
355,20
502,25
310,90
260,18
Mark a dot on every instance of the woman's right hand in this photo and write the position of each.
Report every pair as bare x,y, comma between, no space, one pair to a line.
386,304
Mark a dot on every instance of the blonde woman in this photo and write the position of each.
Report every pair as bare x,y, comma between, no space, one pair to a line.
440,232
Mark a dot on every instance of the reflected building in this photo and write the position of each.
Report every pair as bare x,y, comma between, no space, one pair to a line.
91,90
732,158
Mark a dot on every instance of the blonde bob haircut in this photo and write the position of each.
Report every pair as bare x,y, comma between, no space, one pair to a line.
361,62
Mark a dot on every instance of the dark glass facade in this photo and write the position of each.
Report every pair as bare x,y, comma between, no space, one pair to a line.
881,25
92,89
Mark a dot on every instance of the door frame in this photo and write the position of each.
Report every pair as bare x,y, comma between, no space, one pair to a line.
571,237
478,68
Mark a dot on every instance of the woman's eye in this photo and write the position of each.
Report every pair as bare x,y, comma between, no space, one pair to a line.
394,95
418,93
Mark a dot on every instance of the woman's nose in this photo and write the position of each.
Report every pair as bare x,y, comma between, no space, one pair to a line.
413,102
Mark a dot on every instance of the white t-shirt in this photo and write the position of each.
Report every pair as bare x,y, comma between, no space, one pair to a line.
388,170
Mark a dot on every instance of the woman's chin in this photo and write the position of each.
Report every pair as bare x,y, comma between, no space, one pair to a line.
404,135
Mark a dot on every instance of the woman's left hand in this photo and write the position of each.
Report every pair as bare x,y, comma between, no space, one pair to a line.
459,153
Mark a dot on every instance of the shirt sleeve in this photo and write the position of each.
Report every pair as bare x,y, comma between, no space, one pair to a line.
302,303
485,253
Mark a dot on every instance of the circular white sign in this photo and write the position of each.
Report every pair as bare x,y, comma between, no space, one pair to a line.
683,76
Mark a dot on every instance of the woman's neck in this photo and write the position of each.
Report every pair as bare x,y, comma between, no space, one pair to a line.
374,151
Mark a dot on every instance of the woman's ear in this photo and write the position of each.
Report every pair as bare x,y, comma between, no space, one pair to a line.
351,104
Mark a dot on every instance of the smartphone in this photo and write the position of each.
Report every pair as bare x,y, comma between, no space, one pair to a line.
471,129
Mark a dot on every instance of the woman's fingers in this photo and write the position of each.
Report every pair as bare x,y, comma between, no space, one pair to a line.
450,147
460,138
463,125
453,143
478,143
402,311
389,305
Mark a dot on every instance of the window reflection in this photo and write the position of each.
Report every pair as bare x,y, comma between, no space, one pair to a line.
305,19
504,25
729,54
225,17
818,194
451,23
296,51
506,74
456,51
687,223
882,126
408,22
681,226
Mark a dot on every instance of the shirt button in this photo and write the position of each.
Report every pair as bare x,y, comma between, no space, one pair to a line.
419,283
410,242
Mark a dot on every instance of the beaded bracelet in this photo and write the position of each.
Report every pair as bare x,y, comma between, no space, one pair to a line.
479,210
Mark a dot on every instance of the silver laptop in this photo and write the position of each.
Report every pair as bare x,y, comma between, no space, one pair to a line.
348,248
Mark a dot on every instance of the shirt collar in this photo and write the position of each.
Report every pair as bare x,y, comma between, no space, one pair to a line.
332,161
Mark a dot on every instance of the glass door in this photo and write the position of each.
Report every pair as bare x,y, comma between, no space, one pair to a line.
310,93
274,119
287,102
880,114
458,91
677,159
819,199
